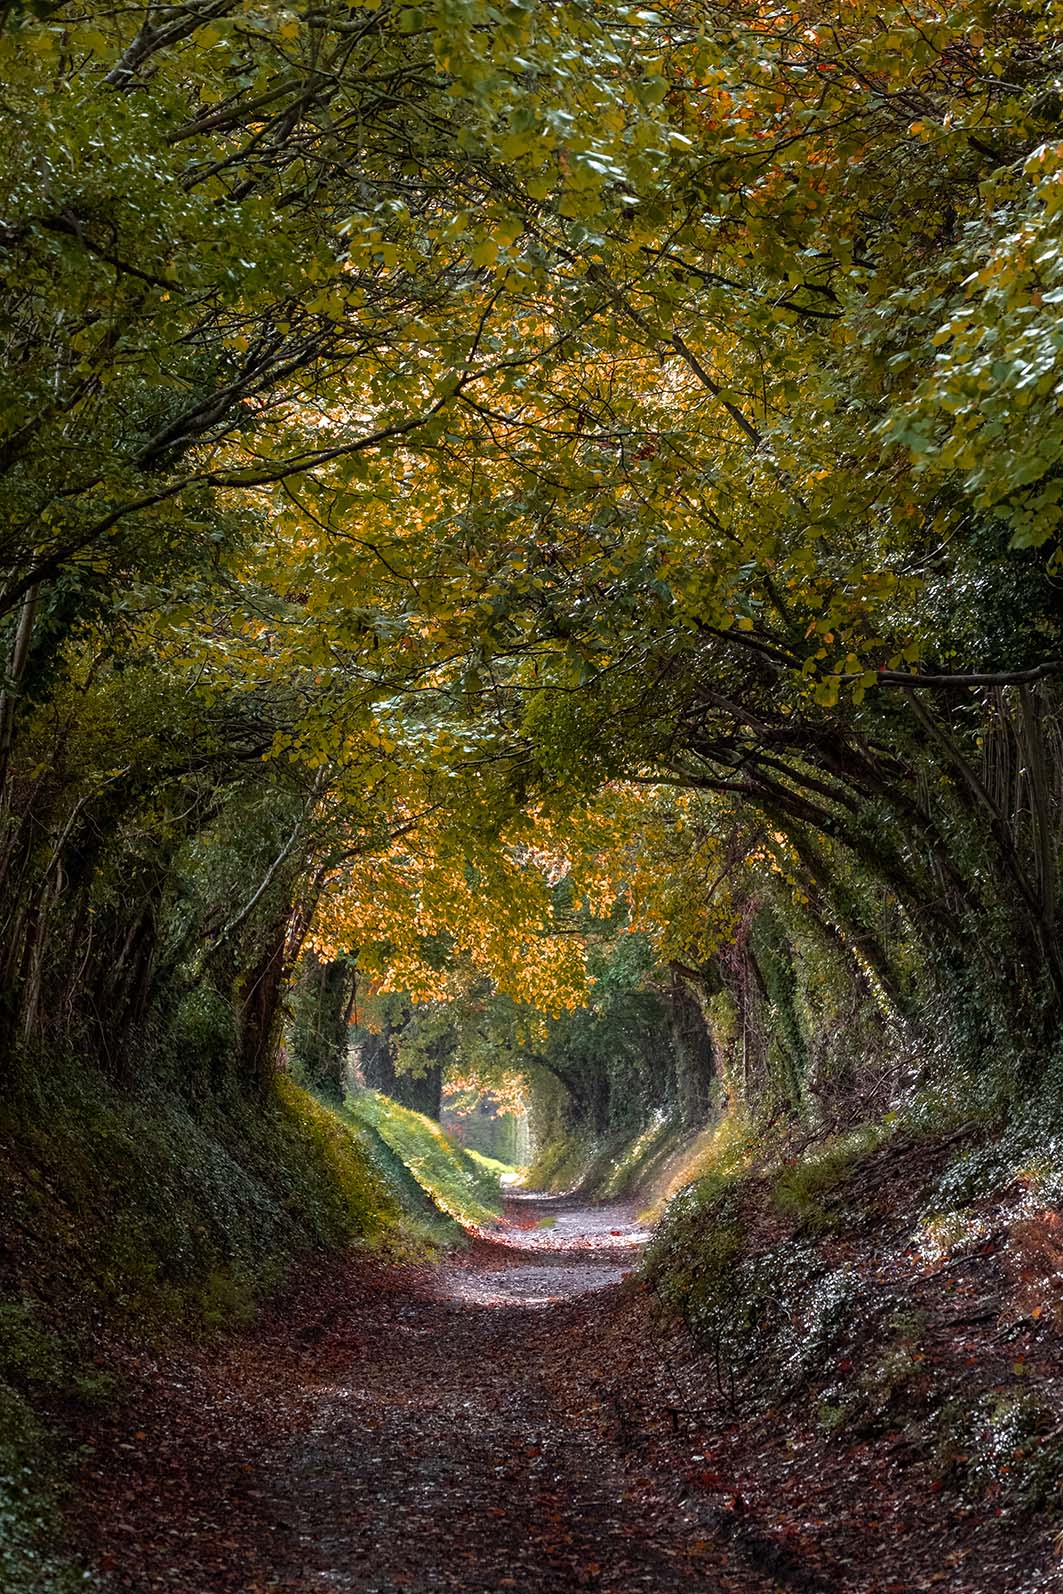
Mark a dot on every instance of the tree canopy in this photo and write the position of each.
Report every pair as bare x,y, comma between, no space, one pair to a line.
478,480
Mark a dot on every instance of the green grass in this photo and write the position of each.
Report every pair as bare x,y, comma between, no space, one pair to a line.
492,1165
631,1166
138,1202
811,1189
461,1185
621,1164
559,1164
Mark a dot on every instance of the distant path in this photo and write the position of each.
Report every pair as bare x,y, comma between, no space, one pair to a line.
550,1249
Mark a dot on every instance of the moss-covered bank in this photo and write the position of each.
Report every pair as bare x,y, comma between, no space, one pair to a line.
138,1212
895,1285
451,1180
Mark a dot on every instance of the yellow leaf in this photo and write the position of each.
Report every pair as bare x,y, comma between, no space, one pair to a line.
485,253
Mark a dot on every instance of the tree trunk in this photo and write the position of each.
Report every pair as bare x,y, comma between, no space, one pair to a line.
322,1004
258,1004
695,1058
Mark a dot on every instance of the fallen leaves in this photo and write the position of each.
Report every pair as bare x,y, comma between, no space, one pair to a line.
422,1438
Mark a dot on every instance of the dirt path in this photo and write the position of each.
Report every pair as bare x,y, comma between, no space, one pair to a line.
434,1431
457,1450
518,1418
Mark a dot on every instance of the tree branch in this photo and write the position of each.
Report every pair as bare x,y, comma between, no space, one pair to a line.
1039,672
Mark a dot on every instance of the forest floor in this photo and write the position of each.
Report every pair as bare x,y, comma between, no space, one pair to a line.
516,1418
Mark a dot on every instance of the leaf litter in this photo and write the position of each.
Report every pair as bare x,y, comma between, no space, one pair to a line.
424,1429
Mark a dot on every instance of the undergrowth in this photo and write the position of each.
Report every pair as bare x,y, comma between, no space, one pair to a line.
809,1275
558,1164
627,1162
811,1188
492,1165
30,1501
145,1212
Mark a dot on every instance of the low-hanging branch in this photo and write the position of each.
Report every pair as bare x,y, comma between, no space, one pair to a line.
1038,672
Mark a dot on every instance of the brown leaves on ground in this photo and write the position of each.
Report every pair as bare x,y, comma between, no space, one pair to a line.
515,1419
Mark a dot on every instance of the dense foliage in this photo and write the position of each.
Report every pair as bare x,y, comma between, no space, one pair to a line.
530,544
481,481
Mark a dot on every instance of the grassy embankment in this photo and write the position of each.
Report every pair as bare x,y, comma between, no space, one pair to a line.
138,1214
628,1163
427,1163
895,1285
